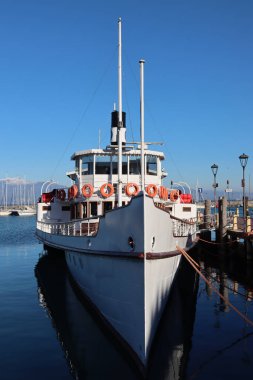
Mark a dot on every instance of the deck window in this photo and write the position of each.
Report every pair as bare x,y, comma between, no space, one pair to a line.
85,213
103,164
151,165
46,208
107,206
134,165
115,165
87,165
93,208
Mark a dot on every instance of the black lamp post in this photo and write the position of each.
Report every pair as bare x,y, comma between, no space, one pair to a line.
228,189
243,160
214,168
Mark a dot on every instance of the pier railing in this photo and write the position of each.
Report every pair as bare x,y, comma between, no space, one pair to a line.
88,227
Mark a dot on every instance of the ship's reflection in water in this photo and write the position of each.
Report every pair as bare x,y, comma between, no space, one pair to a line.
89,348
199,337
172,344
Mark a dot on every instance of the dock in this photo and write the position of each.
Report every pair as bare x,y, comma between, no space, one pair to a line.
227,227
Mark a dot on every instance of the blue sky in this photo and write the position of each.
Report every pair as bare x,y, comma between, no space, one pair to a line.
58,83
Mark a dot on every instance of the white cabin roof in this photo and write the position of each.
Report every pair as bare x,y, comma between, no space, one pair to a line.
131,152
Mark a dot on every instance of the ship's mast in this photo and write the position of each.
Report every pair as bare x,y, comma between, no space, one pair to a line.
142,123
120,124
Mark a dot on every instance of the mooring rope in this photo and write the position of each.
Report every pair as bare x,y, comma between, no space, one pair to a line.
193,264
217,243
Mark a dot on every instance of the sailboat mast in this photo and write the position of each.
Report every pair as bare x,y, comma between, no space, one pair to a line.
142,123
120,124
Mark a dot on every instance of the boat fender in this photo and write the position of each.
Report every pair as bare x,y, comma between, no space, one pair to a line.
107,190
61,194
151,190
174,195
131,189
72,191
87,190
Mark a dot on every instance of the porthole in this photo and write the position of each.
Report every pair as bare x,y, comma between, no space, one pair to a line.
131,242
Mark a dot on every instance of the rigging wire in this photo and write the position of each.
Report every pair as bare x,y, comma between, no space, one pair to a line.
83,114
154,123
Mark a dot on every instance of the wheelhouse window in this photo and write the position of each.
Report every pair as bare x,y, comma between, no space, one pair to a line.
103,164
151,165
115,165
87,165
134,165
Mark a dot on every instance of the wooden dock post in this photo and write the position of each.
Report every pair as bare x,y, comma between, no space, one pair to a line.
222,207
248,224
207,214
235,217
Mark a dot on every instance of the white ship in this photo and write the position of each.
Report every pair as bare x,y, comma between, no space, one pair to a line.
119,227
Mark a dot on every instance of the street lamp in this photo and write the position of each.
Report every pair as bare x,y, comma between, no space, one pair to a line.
228,190
214,168
243,160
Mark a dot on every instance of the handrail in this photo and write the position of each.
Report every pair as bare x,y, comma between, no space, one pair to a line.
87,227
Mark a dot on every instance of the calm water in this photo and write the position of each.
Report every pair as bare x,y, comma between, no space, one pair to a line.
47,331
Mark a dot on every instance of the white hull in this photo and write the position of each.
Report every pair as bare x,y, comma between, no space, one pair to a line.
128,285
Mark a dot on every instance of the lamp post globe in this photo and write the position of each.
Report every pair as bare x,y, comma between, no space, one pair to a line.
214,168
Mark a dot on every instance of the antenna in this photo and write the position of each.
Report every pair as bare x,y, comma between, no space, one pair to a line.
120,118
99,138
142,123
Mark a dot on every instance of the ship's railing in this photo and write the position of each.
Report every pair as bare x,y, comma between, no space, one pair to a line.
184,227
87,227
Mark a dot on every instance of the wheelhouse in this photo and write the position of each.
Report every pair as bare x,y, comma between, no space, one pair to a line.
96,177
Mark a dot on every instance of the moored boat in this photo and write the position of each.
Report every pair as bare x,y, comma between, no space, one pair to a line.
119,227
26,211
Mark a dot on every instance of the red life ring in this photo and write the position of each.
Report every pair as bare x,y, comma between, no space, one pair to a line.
107,190
151,190
174,195
72,191
129,192
87,190
61,194
166,194
163,193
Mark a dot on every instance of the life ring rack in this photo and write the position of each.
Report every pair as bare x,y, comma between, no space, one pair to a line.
107,190
87,190
128,190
